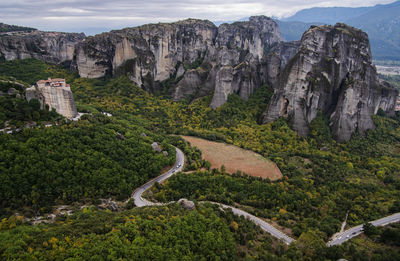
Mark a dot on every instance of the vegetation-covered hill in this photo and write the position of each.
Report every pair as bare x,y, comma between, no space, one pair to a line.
323,180
172,233
158,233
13,28
82,160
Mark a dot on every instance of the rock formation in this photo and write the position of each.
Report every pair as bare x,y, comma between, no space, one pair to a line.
149,54
198,57
53,47
186,59
186,204
332,72
156,147
58,97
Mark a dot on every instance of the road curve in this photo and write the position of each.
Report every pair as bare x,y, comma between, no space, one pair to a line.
137,194
355,231
258,221
180,159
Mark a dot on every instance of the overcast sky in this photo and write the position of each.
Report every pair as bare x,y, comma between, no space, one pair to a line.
94,15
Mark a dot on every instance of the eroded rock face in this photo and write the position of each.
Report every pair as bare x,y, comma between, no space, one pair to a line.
199,56
59,98
53,47
332,72
147,54
190,84
277,58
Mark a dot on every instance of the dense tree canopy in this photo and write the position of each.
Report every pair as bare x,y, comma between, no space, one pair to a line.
84,159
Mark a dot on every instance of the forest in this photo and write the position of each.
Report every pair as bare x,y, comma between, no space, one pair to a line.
172,233
40,167
323,180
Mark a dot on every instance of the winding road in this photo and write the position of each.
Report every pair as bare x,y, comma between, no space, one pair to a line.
355,231
137,194
180,160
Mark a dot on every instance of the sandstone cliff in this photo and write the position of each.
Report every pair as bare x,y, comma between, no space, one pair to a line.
149,54
59,98
197,56
51,47
332,72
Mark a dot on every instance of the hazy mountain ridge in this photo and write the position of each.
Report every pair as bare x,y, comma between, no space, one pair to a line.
329,15
380,22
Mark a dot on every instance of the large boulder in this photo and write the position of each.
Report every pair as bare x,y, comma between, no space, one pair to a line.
156,147
186,204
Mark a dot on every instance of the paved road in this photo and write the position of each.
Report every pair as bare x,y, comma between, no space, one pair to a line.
258,221
180,159
141,202
137,194
355,231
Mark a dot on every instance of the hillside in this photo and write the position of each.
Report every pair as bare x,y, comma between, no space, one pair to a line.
14,28
313,109
79,163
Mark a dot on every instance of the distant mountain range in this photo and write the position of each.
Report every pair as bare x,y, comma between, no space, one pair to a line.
381,22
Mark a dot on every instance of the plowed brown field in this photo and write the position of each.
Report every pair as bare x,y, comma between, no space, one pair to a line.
235,158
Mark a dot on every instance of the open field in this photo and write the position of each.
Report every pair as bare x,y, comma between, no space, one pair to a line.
235,158
388,70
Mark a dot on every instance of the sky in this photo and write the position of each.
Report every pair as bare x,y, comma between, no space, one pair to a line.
93,16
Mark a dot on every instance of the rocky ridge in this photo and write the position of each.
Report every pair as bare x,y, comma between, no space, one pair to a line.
329,70
333,73
53,47
197,56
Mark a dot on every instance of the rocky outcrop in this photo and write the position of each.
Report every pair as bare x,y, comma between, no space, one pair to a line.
109,204
332,72
156,147
59,98
186,204
148,54
53,47
187,59
190,84
277,58
195,55
239,57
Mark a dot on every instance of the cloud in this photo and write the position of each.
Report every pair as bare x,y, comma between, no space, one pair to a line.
78,15
70,10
